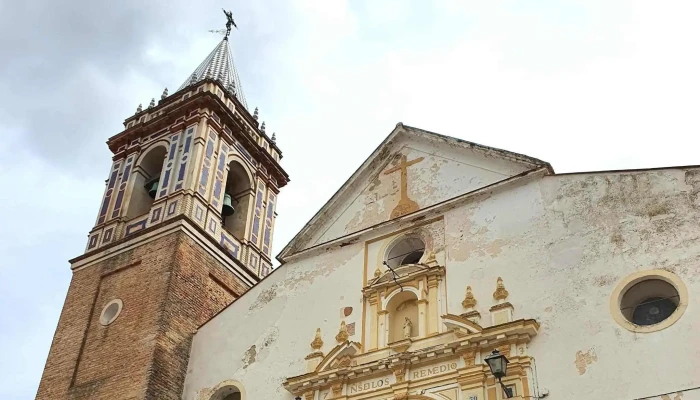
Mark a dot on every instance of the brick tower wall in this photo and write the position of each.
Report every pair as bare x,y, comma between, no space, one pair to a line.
169,287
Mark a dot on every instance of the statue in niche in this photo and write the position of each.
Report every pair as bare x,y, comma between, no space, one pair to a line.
407,327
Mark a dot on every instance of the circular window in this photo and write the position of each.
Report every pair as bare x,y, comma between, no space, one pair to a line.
110,312
649,301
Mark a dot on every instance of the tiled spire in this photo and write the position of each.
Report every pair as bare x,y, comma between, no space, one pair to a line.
219,65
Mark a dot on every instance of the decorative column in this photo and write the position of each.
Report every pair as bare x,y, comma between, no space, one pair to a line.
382,327
373,321
433,282
472,378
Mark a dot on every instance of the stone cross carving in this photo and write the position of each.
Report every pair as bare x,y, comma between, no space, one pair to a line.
405,205
407,327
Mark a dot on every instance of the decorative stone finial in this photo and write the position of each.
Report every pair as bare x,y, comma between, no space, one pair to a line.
501,293
377,273
274,138
318,342
469,300
165,94
262,127
255,113
342,333
139,108
152,103
431,261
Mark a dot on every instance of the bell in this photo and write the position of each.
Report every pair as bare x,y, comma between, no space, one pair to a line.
152,188
228,206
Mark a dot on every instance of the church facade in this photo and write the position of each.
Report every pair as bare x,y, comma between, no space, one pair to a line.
437,252
436,255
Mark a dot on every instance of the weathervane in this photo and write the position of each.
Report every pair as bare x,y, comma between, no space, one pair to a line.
229,17
229,23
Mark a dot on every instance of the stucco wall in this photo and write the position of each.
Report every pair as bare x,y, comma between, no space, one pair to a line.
264,336
561,245
441,171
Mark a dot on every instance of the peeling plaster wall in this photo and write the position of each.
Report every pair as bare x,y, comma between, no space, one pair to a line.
446,171
561,245
263,337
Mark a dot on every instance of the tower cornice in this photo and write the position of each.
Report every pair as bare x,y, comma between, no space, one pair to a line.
174,110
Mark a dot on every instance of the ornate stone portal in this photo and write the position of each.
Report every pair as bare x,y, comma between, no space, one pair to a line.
452,362
413,353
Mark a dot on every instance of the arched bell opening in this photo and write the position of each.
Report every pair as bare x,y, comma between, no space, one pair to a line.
408,250
146,182
238,196
403,316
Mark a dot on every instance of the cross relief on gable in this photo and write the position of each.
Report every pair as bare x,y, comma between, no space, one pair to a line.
405,204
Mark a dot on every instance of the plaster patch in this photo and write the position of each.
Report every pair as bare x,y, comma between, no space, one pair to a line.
264,297
249,356
604,280
584,359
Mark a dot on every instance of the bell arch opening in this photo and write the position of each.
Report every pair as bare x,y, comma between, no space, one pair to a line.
238,197
146,182
408,250
403,316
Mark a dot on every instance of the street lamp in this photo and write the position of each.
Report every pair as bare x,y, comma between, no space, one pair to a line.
498,363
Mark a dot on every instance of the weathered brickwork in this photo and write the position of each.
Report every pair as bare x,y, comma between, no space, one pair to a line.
168,287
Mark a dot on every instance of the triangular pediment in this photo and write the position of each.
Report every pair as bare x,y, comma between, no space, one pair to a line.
412,169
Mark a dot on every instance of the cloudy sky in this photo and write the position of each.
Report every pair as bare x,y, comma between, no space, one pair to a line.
585,85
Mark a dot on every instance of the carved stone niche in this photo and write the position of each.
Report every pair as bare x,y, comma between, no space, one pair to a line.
403,304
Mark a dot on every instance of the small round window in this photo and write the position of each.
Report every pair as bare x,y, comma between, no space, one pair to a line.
110,312
649,301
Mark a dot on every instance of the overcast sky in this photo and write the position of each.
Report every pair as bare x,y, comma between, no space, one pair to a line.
585,85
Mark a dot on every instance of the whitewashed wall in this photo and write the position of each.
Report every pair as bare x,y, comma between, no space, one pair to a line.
561,245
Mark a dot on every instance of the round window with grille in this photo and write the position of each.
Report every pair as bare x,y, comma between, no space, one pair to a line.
648,301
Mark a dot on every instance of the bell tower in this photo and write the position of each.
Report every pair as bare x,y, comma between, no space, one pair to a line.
184,227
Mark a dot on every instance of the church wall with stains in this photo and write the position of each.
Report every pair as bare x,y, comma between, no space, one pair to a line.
544,256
